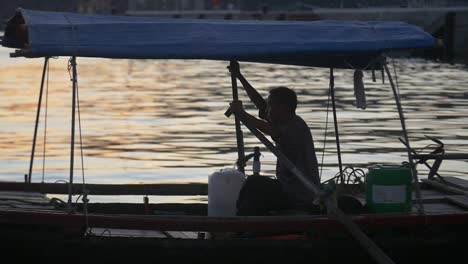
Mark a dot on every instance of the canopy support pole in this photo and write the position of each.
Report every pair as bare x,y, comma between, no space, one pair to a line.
38,112
335,120
72,144
239,135
407,143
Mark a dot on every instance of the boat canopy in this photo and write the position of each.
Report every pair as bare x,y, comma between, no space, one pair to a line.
323,43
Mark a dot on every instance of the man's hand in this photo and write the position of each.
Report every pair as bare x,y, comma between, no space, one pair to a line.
249,120
235,69
236,107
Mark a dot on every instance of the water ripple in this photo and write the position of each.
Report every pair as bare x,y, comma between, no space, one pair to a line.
154,121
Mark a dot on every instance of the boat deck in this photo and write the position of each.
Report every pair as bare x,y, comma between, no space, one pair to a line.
25,200
38,202
448,198
32,221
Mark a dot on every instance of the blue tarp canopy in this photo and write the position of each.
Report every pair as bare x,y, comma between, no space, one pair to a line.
322,43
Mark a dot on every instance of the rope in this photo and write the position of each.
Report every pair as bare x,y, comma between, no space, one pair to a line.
81,136
69,68
45,123
73,30
349,176
326,131
396,76
73,78
64,181
335,119
58,203
36,125
90,233
85,192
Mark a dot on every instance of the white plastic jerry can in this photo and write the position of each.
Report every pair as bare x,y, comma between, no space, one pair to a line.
223,190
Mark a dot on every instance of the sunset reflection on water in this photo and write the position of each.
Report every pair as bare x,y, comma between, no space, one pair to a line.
163,121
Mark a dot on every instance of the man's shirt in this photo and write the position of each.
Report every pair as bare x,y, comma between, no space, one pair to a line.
295,141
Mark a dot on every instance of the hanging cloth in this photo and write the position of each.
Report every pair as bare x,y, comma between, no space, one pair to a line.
359,91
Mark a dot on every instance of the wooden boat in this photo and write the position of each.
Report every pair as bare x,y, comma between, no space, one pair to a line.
33,226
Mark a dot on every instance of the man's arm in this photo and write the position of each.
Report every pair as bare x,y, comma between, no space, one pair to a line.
249,120
254,96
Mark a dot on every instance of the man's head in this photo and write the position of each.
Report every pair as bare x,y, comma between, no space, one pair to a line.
282,103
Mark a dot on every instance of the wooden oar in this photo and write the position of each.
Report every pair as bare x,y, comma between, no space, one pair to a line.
354,229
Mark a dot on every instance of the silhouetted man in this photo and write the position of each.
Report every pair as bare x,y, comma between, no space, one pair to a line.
291,135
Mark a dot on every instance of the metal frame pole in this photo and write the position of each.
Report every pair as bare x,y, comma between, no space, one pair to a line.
335,120
407,144
38,112
239,135
72,144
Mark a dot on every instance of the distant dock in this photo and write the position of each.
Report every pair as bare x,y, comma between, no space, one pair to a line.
449,24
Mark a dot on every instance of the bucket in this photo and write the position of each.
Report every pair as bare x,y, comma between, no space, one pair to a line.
388,189
223,190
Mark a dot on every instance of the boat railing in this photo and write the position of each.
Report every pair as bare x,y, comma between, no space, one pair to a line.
443,156
151,204
182,189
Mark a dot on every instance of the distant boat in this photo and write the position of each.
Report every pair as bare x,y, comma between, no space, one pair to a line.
391,226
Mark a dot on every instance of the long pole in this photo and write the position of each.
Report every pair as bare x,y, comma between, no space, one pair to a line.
72,144
335,120
239,135
355,231
407,143
38,112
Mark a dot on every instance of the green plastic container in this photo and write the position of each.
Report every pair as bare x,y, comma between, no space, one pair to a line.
388,189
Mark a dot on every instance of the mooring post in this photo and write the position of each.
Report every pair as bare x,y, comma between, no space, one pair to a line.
72,144
239,135
38,112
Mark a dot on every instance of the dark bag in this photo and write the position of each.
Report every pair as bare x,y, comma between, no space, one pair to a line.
260,195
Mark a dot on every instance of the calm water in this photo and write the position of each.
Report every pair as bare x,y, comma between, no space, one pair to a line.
163,121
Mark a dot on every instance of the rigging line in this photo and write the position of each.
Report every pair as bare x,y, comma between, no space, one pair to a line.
64,181
326,131
36,125
72,66
335,119
74,33
81,137
45,123
396,76
84,191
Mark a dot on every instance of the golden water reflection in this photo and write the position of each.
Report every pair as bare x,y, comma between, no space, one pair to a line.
159,121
